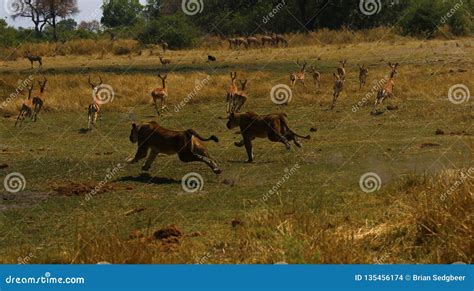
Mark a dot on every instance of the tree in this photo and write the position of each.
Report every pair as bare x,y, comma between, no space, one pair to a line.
152,9
92,26
32,9
118,13
54,9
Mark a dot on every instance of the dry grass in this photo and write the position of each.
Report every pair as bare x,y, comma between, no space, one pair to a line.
419,227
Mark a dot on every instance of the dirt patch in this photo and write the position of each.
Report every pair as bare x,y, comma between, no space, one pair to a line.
167,232
23,199
80,189
429,145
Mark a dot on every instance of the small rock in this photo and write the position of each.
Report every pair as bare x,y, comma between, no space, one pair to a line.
230,182
313,129
439,132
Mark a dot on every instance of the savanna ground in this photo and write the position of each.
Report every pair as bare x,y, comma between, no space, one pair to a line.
422,212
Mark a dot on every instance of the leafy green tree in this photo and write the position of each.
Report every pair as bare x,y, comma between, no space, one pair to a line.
118,13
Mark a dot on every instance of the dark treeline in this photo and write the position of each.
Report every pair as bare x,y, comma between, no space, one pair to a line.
182,23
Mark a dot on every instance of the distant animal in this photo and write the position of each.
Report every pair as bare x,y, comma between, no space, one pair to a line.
38,101
211,58
337,88
278,38
152,139
26,109
267,39
342,69
32,58
251,40
164,46
363,73
316,76
387,90
240,41
165,62
232,43
231,91
160,93
93,111
298,76
273,126
240,97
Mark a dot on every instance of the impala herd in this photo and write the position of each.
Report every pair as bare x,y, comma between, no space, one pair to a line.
236,97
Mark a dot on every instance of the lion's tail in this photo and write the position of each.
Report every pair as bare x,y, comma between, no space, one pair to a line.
192,132
284,123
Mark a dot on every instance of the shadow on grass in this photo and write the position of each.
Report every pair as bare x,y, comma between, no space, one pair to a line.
147,179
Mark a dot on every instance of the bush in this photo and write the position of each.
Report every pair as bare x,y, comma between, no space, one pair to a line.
175,30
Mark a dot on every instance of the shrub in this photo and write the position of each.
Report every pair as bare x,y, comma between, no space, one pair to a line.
175,30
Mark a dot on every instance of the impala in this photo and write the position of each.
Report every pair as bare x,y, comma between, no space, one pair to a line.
278,38
342,69
93,111
231,92
26,108
38,100
363,72
239,98
251,40
387,90
298,76
338,87
267,39
316,76
160,93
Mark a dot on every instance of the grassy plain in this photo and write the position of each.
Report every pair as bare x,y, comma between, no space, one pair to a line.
320,214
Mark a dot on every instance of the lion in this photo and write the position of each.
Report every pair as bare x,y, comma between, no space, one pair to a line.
186,144
273,126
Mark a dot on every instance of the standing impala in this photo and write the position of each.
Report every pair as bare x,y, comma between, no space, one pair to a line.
267,39
278,38
160,93
387,90
26,109
93,111
298,76
231,92
38,101
363,72
164,62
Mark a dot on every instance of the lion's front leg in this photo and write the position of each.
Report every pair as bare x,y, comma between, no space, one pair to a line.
151,158
141,154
